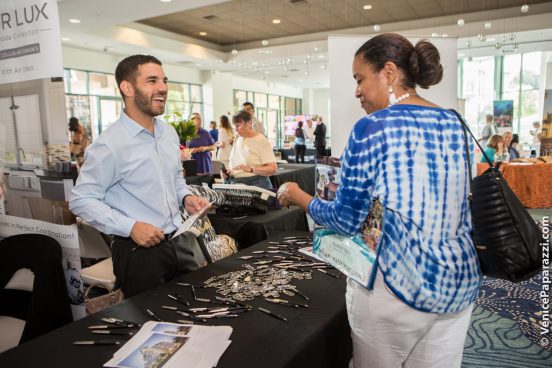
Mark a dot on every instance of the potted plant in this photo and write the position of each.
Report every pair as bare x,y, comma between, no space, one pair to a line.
185,129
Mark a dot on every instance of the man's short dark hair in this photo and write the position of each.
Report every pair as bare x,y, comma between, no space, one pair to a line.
241,116
247,103
128,68
73,121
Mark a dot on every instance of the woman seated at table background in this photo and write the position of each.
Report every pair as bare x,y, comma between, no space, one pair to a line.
201,147
514,147
226,140
494,148
252,160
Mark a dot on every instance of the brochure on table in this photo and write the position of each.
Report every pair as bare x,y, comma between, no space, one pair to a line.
167,345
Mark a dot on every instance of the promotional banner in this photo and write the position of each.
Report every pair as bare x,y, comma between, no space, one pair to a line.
68,238
546,132
30,42
503,112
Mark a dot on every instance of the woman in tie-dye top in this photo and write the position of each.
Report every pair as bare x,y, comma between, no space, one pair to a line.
410,155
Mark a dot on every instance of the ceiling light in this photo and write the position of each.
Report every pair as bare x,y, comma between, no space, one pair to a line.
323,66
264,42
468,43
515,46
512,37
166,1
377,28
316,49
481,37
435,34
276,21
367,7
525,8
488,25
234,51
460,22
203,33
498,45
491,39
321,56
444,35
74,21
66,39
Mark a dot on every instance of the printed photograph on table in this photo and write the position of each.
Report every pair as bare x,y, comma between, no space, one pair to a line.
503,111
172,329
154,352
328,173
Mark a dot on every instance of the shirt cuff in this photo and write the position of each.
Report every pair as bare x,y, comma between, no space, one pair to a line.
125,224
183,193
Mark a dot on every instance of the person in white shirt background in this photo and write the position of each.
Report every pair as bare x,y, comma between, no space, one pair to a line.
257,124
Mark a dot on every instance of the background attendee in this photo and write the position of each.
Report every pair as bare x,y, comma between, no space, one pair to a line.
131,183
515,147
258,125
488,130
493,149
508,148
309,131
536,141
320,137
214,131
79,140
252,160
300,143
201,147
226,140
418,313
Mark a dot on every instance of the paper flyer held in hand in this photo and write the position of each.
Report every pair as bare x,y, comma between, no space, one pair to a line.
162,344
190,221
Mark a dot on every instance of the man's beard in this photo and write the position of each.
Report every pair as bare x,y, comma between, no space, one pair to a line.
144,104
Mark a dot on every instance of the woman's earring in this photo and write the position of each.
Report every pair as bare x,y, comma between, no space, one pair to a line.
392,97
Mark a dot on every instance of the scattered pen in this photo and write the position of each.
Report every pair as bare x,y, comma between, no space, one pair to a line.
178,298
272,314
96,342
110,332
301,294
286,302
118,321
185,321
152,315
191,316
109,327
327,273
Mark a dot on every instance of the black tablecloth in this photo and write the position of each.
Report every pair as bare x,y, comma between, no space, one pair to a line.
288,154
317,336
302,174
200,179
249,230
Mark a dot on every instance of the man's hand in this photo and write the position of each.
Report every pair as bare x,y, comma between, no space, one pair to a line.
146,235
193,203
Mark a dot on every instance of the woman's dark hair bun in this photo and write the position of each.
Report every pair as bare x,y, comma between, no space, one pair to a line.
425,64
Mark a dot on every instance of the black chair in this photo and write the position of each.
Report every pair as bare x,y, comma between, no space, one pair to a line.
47,307
190,167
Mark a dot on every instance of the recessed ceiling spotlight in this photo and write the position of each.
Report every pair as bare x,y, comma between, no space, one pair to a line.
276,21
488,25
367,7
74,21
203,33
234,51
166,1
377,28
460,22
512,37
498,45
435,34
524,8
316,49
481,37
264,42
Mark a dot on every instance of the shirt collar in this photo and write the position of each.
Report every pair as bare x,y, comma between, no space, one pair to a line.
134,128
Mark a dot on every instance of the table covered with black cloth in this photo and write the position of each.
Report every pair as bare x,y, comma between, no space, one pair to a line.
252,229
302,174
200,179
318,336
288,154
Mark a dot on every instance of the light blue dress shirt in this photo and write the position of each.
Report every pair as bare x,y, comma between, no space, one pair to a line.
129,175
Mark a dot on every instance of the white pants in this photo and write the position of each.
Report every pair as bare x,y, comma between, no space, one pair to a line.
388,333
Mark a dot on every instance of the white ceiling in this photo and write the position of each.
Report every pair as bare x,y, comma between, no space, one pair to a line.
291,58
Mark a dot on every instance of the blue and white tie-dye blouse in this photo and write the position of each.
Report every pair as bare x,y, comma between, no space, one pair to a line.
412,158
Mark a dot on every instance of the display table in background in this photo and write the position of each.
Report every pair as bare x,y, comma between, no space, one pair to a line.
532,183
249,230
302,174
317,337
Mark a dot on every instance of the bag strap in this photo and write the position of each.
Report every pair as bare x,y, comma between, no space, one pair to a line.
464,129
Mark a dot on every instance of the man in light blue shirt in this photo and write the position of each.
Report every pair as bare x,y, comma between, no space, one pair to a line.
131,185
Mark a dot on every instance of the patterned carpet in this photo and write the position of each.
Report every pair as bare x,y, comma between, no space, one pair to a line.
505,330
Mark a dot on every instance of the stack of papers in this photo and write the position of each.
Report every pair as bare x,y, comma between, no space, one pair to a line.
162,344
